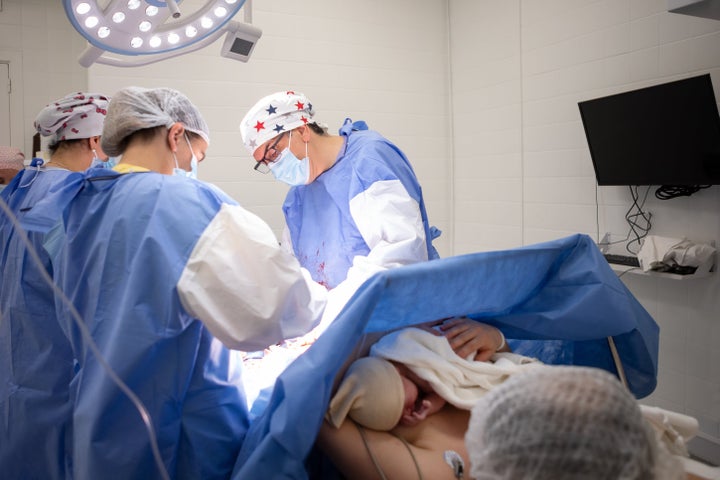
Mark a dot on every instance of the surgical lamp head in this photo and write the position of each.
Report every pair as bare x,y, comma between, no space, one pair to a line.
124,30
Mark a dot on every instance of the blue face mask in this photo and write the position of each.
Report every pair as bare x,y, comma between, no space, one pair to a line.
96,162
193,164
108,164
290,169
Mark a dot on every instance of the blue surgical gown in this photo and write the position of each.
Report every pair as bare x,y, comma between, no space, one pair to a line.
36,361
363,215
160,268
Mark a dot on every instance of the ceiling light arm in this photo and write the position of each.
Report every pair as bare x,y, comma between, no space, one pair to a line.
247,11
174,10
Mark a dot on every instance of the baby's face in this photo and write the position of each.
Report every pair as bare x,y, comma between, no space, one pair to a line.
411,395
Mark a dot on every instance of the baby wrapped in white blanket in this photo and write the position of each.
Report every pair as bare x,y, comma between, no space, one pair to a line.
460,381
410,374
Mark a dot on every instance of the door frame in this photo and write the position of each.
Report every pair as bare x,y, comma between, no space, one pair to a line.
17,113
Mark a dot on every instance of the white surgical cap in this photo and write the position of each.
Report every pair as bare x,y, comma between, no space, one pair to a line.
562,423
11,158
77,115
371,393
136,108
272,115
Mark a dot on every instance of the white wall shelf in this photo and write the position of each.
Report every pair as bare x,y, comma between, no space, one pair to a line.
624,269
703,271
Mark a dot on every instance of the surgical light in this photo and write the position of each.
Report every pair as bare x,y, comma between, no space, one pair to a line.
138,32
82,8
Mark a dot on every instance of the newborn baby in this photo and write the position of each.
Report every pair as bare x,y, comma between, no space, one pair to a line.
410,374
381,394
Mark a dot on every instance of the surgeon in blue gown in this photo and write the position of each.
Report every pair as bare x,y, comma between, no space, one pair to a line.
36,361
167,273
355,207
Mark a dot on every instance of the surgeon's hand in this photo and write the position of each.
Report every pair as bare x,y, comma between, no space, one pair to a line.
467,336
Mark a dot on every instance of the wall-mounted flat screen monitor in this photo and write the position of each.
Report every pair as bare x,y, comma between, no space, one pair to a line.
667,134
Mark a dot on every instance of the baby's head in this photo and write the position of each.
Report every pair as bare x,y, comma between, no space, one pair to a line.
374,394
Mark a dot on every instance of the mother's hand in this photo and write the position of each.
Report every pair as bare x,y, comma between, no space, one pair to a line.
468,336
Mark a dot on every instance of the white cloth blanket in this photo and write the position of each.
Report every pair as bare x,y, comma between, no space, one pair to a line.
458,380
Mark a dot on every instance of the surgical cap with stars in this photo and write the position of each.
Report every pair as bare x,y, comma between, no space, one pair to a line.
272,115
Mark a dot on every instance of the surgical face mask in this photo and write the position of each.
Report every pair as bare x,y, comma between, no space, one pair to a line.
290,169
193,164
107,164
96,162
111,162
2,187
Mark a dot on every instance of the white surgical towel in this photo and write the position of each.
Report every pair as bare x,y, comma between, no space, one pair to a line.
654,249
459,381
657,251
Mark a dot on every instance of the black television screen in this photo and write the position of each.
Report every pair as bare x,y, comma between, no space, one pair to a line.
667,134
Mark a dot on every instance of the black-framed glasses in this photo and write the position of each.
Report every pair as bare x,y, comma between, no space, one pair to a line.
269,156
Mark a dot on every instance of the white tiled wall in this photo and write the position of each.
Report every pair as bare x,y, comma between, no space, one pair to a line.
523,172
482,96
382,62
42,48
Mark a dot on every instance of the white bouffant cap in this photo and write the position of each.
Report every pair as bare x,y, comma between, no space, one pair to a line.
563,423
137,108
11,158
371,393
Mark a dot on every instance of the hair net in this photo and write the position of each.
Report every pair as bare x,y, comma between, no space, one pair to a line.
11,158
77,115
371,393
273,115
137,108
561,423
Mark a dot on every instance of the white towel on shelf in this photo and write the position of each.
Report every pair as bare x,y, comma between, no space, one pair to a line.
653,251
460,381
657,251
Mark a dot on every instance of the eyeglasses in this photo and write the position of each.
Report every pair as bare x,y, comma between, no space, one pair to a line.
269,156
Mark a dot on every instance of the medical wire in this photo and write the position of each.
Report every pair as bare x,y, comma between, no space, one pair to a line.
630,219
88,338
667,192
412,455
451,119
369,451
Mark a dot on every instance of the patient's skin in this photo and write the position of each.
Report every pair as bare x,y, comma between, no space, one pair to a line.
428,440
